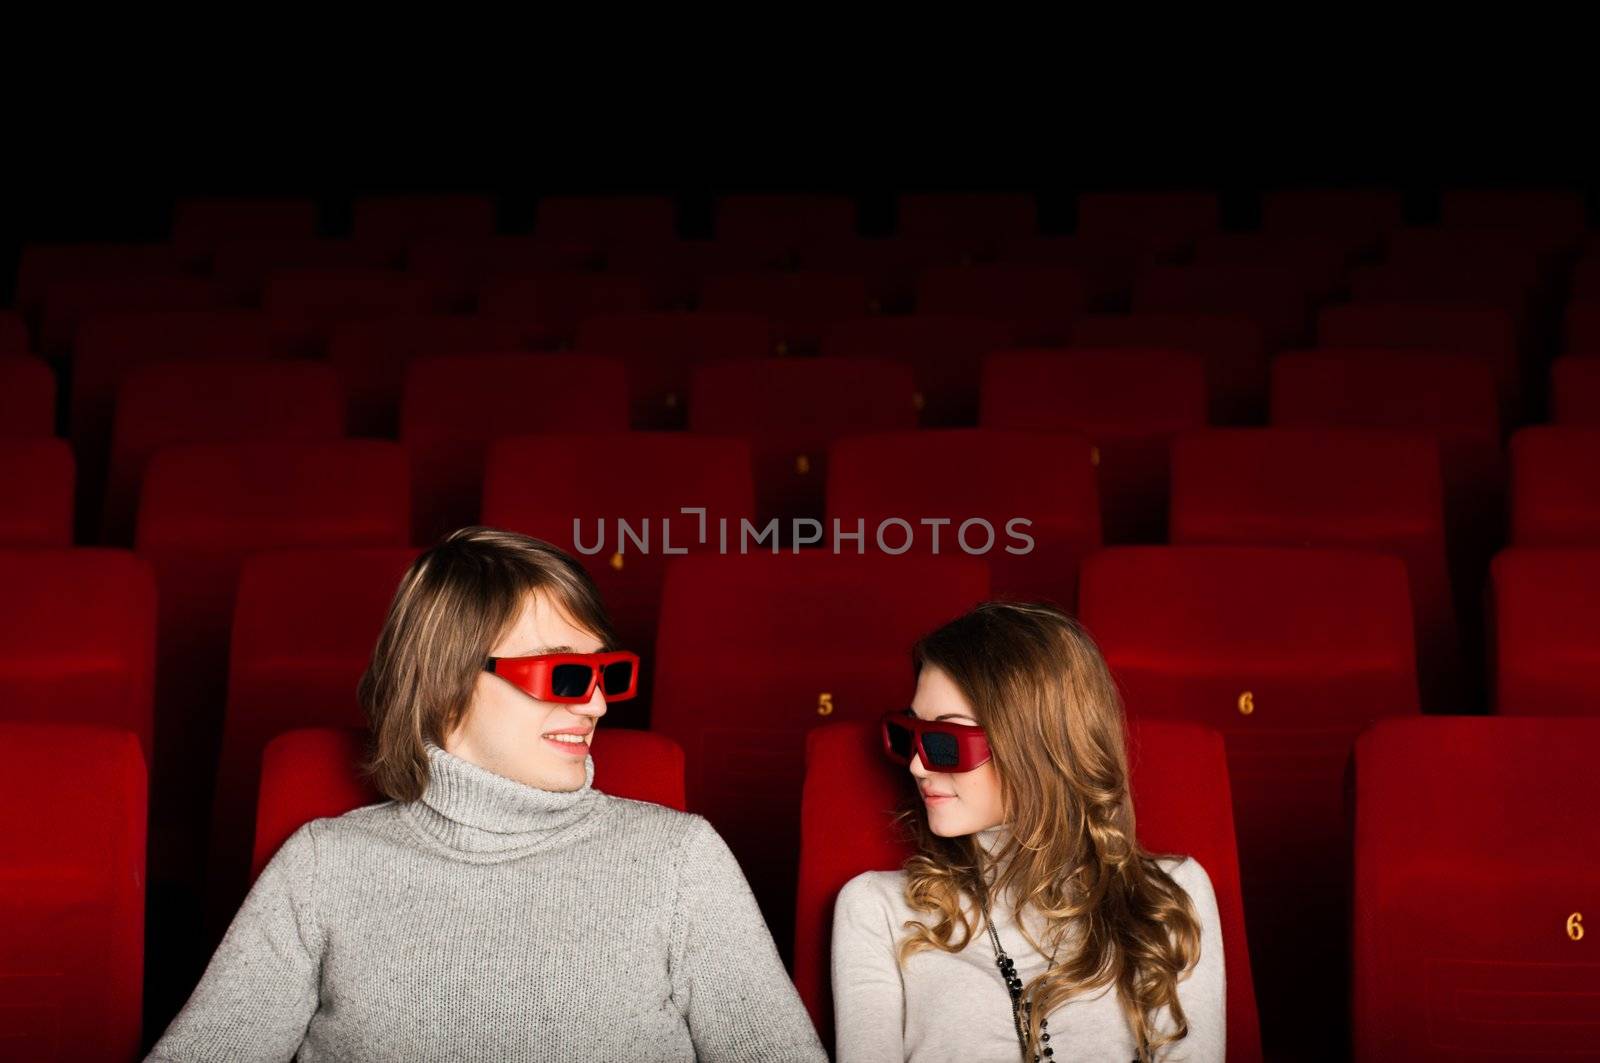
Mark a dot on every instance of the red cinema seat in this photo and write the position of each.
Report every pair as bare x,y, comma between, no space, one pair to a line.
245,265
547,486
1317,260
1179,782
396,222
1555,495
41,265
607,221
305,305
304,625
996,491
945,354
790,409
314,772
454,406
1370,489
36,502
673,271
1545,622
785,221
1451,396
206,401
1159,223
1555,210
1363,213
978,221
1575,391
1488,824
1290,653
1445,327
554,302
27,397
72,874
13,334
458,268
204,508
1128,403
1277,299
78,638
199,225
1581,327
70,305
801,306
795,641
660,351
371,358
1233,346
1039,303
890,264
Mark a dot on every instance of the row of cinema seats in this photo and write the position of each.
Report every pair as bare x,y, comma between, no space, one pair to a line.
1467,920
1287,652
208,387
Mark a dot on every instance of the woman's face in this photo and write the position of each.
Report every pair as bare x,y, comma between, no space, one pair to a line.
957,804
507,731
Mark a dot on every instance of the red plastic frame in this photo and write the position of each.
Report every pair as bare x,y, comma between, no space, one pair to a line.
532,675
972,744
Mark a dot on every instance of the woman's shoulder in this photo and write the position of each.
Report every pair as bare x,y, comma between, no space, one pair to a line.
1192,876
873,891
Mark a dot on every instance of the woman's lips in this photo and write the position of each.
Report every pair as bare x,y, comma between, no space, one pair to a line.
933,798
572,749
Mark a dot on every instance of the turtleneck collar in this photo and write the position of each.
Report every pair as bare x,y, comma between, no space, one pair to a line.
485,817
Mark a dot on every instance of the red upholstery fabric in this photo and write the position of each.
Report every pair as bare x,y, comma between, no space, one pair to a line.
1546,620
606,221
660,350
1575,391
944,353
974,220
36,504
1162,223
1555,498
554,302
306,304
785,220
1364,212
800,305
13,334
1233,346
1039,303
27,397
69,305
397,222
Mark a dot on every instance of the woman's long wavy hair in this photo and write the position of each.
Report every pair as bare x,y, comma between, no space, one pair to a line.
1040,689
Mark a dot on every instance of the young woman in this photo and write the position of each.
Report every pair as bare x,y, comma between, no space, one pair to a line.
1030,923
498,907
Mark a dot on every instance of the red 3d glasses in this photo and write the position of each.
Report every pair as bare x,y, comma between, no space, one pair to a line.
570,677
943,745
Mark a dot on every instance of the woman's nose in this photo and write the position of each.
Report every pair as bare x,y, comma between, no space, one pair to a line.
916,767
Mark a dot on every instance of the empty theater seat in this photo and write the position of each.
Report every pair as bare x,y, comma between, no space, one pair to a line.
1556,210
1371,489
394,223
790,409
554,302
794,641
245,265
1575,391
304,625
1159,223
800,305
13,334
1179,783
313,772
78,638
1445,327
785,221
205,507
72,873
1290,653
1476,869
576,490
41,265
70,305
606,221
1039,303
1363,213
453,407
975,220
1545,623
660,350
1317,260
1273,297
199,225
371,357
305,305
944,353
1580,328
1233,346
211,400
36,502
965,477
1555,498
1128,403
27,397
458,268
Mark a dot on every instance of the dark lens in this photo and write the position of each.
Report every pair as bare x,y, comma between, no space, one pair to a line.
900,740
618,677
941,749
570,680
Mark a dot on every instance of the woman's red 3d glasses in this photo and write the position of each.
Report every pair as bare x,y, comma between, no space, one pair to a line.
570,677
943,745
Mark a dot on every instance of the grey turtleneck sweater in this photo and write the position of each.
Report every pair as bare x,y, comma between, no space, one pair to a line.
946,1007
491,920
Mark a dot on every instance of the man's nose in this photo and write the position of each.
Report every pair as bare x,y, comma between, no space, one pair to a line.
595,706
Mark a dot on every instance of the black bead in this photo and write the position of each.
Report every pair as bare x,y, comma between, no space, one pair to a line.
1015,992
1044,1036
1049,1052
